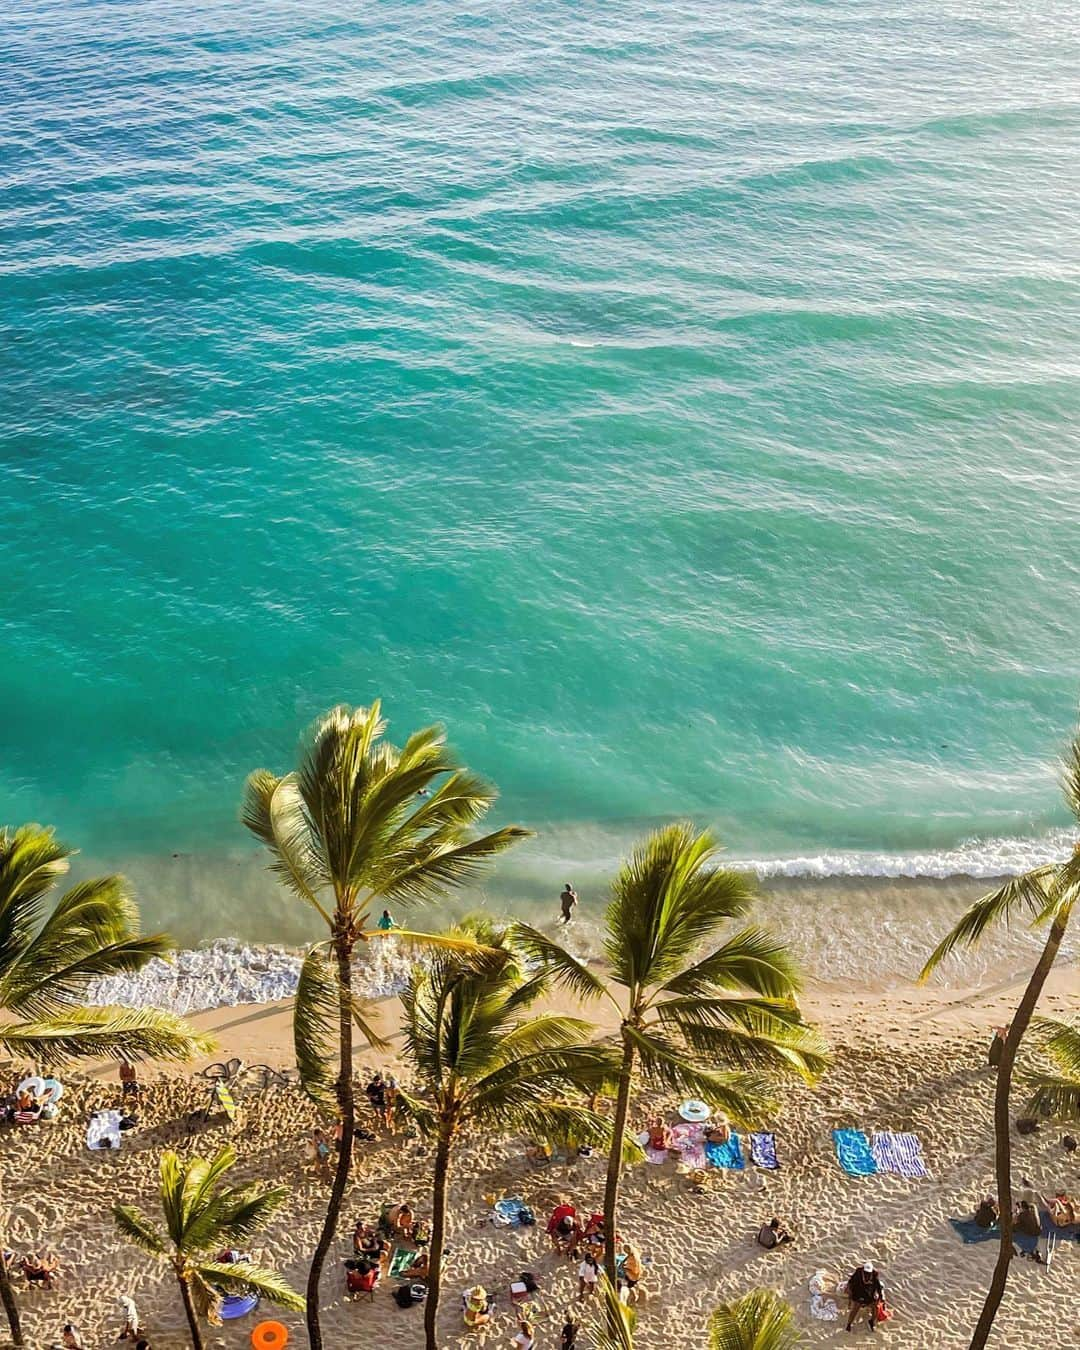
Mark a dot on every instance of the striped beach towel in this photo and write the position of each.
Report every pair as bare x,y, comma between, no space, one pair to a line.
853,1153
727,1155
763,1149
899,1153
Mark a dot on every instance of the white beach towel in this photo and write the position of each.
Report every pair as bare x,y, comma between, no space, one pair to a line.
104,1130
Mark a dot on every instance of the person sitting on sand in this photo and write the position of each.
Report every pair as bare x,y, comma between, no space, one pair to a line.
864,1291
997,1045
659,1133
362,1232
588,1274
143,1344
400,1221
1027,1223
70,1338
563,1227
719,1130
41,1270
773,1234
593,1235
476,1307
421,1266
1062,1209
986,1216
569,1334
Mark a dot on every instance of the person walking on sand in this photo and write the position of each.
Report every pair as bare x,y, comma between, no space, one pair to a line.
568,901
864,1291
386,923
130,1330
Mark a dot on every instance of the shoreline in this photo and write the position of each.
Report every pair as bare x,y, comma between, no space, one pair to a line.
872,930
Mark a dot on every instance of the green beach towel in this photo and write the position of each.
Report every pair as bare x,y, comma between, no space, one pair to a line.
400,1262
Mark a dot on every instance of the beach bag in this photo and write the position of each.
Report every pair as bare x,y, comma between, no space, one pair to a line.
881,1312
408,1294
526,1218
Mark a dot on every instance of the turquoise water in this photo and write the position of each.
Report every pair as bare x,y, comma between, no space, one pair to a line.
682,406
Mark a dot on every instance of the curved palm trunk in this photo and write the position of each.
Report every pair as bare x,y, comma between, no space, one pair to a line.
438,1236
1002,1139
347,1107
618,1134
11,1308
192,1315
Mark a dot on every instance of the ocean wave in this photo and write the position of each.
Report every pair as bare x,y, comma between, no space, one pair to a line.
980,858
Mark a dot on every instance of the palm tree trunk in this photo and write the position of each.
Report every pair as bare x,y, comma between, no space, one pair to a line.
614,1168
1002,1138
192,1315
346,1105
438,1234
11,1308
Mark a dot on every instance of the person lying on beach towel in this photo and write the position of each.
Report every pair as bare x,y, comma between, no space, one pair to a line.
41,1270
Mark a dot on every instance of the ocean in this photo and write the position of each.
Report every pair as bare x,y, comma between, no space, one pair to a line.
680,402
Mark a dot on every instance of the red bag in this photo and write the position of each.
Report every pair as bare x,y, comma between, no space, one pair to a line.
881,1312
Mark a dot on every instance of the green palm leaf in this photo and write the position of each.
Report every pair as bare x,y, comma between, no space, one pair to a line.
761,1320
613,1328
315,1025
1025,895
567,970
751,959
108,1033
138,1229
241,1277
744,1096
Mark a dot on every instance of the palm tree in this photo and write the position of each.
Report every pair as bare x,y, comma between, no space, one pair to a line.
361,822
50,955
202,1216
760,1320
1055,1091
1045,895
733,1007
482,1064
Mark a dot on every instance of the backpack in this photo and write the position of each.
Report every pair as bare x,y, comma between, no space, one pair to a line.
408,1294
526,1218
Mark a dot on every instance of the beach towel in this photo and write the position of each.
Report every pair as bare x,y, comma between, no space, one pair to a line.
822,1307
763,1149
899,1153
970,1231
400,1262
725,1155
853,1153
508,1211
104,1130
689,1139
1025,1243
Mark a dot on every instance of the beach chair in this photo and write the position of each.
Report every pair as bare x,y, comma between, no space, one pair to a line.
360,1284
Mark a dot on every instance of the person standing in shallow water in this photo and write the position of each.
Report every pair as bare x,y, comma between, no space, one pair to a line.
568,900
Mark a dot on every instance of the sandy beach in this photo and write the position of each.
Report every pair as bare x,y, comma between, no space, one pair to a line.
907,1058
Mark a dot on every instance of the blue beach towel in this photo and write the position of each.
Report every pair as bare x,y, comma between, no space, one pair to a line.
1027,1244
508,1211
853,1153
970,1231
763,1149
725,1155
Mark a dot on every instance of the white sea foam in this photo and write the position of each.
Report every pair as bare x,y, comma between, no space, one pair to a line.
973,858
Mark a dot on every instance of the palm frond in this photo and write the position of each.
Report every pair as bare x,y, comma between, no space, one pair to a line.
428,872
612,1328
243,1277
1023,895
137,1228
760,1320
1070,776
1055,1093
31,860
746,1034
316,1012
574,975
104,1033
751,959
745,1097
